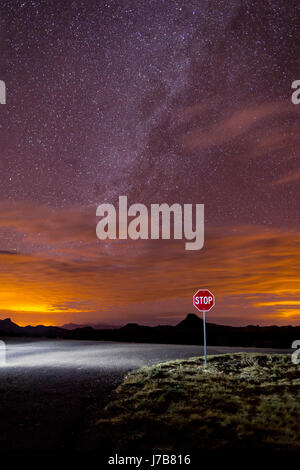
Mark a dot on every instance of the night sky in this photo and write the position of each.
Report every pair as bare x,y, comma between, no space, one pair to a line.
161,101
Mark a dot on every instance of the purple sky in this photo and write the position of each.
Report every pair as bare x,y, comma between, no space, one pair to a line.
160,101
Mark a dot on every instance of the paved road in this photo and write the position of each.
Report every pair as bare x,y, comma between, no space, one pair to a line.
49,389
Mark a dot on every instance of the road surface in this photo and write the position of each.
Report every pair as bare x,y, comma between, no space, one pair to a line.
50,389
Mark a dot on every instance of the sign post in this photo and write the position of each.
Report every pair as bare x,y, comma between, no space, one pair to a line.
204,300
204,336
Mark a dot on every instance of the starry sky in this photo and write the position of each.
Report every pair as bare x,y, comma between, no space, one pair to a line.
161,101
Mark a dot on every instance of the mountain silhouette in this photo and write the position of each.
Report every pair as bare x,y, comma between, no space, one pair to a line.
8,326
191,321
96,326
187,331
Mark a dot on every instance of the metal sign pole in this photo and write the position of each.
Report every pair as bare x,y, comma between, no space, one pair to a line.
204,334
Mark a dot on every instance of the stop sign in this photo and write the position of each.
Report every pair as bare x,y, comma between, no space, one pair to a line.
203,300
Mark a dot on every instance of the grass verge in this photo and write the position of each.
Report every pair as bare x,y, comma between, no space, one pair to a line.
241,401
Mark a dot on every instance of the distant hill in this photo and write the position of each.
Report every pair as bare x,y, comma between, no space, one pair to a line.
7,326
188,331
191,321
96,326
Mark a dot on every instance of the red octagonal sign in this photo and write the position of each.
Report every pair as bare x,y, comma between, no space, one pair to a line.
203,300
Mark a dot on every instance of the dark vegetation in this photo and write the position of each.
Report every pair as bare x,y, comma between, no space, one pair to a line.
242,401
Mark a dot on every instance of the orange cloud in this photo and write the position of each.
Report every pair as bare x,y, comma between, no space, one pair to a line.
236,124
45,225
278,302
252,271
291,177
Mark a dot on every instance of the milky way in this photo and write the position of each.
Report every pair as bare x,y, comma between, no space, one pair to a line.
162,101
